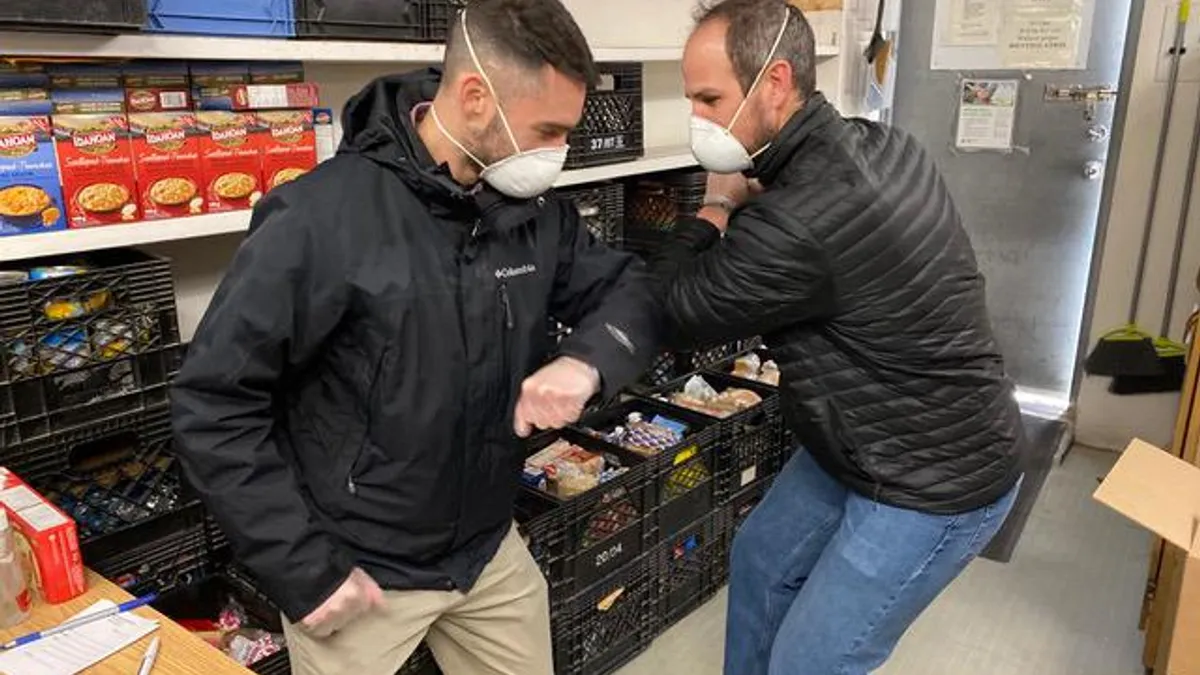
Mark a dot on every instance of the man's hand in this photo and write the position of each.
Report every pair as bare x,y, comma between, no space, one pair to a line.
357,595
723,193
554,396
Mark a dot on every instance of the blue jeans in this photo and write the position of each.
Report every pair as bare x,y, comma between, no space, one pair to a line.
824,581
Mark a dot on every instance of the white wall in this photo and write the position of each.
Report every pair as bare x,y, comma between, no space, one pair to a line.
1104,420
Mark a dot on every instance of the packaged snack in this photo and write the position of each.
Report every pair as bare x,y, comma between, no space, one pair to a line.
241,97
84,75
157,86
23,74
88,101
166,151
700,396
276,72
289,145
95,158
567,470
219,73
47,538
25,102
30,197
231,161
323,132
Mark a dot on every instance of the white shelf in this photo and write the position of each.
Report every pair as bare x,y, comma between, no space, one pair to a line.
261,49
177,229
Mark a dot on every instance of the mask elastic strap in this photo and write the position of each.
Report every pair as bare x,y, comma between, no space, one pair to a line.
787,16
488,81
438,121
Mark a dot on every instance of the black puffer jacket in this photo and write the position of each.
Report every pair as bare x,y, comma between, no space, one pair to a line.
348,397
855,268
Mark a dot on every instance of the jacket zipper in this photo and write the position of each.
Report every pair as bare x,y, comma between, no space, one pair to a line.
351,486
507,305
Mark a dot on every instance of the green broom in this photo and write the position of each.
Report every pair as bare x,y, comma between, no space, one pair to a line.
1130,351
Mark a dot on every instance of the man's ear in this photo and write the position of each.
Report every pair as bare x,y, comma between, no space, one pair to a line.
475,100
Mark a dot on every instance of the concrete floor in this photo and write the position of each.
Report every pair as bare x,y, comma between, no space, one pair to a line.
1067,604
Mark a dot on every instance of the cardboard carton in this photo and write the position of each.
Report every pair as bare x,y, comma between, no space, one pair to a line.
46,539
1161,493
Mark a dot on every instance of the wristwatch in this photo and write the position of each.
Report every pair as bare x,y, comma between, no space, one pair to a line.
720,202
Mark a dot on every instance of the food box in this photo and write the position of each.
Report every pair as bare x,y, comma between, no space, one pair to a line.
276,72
84,75
157,86
289,145
257,96
95,158
219,73
166,154
21,75
30,196
49,542
22,102
87,101
324,131
231,160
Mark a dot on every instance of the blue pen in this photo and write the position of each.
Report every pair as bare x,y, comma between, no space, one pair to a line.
83,620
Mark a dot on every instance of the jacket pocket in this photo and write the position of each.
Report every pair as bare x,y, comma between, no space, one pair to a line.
354,465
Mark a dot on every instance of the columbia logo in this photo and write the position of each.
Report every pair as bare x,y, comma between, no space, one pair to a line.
511,272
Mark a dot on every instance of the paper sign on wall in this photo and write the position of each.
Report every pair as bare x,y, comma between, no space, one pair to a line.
987,111
973,23
1041,33
1012,34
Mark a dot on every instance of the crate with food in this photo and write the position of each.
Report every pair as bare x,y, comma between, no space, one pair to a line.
663,369
611,129
585,508
78,339
258,18
601,207
386,20
654,203
691,568
755,365
74,16
712,358
31,198
166,552
751,421
681,445
608,624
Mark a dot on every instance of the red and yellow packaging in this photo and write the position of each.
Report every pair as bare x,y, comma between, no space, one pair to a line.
95,158
47,541
289,145
166,154
231,160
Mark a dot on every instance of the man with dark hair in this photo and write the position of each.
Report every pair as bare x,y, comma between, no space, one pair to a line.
351,406
848,256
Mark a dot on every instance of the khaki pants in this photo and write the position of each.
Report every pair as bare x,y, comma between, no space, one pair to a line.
502,627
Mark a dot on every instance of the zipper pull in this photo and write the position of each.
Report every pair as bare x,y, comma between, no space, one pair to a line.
508,315
350,486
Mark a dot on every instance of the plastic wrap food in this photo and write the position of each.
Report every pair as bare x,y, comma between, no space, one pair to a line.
645,437
566,470
751,367
699,395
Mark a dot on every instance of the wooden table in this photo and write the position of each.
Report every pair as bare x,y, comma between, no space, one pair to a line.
180,653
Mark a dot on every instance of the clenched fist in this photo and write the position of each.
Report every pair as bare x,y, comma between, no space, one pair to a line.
357,595
554,396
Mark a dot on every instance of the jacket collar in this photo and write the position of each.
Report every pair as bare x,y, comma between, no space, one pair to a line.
816,117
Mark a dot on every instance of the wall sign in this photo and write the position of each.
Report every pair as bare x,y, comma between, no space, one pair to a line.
987,111
1012,34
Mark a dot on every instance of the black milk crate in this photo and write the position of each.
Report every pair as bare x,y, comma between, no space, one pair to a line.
45,458
684,474
702,359
740,505
32,409
752,438
438,15
607,625
161,554
654,203
601,207
580,540
727,365
611,129
692,567
384,20
74,16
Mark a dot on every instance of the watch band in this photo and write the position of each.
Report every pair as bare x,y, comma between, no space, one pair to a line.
720,202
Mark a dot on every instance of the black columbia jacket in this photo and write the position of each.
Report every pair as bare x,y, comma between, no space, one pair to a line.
348,398
854,267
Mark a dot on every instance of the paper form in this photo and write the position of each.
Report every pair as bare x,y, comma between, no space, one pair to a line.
74,650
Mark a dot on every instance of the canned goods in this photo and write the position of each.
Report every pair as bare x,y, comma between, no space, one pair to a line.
65,350
56,272
61,309
13,277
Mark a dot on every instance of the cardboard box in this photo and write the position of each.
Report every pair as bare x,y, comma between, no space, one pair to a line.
324,132
157,86
84,75
47,540
22,75
30,193
25,102
242,97
1161,493
88,101
95,158
166,157
289,145
276,72
219,73
231,160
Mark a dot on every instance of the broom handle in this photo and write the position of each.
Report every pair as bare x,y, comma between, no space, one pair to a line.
1156,176
1181,229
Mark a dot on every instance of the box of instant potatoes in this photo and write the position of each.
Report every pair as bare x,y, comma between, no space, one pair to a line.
46,539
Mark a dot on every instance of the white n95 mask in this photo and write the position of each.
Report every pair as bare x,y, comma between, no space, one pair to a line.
523,174
714,146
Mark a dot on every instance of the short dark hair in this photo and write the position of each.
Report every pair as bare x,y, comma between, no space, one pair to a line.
525,33
753,27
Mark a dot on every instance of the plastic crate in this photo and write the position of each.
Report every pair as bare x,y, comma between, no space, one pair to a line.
602,209
611,129
752,440
702,359
692,567
387,20
261,18
579,541
607,625
74,16
740,505
662,370
161,554
42,407
438,15
654,203
684,473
